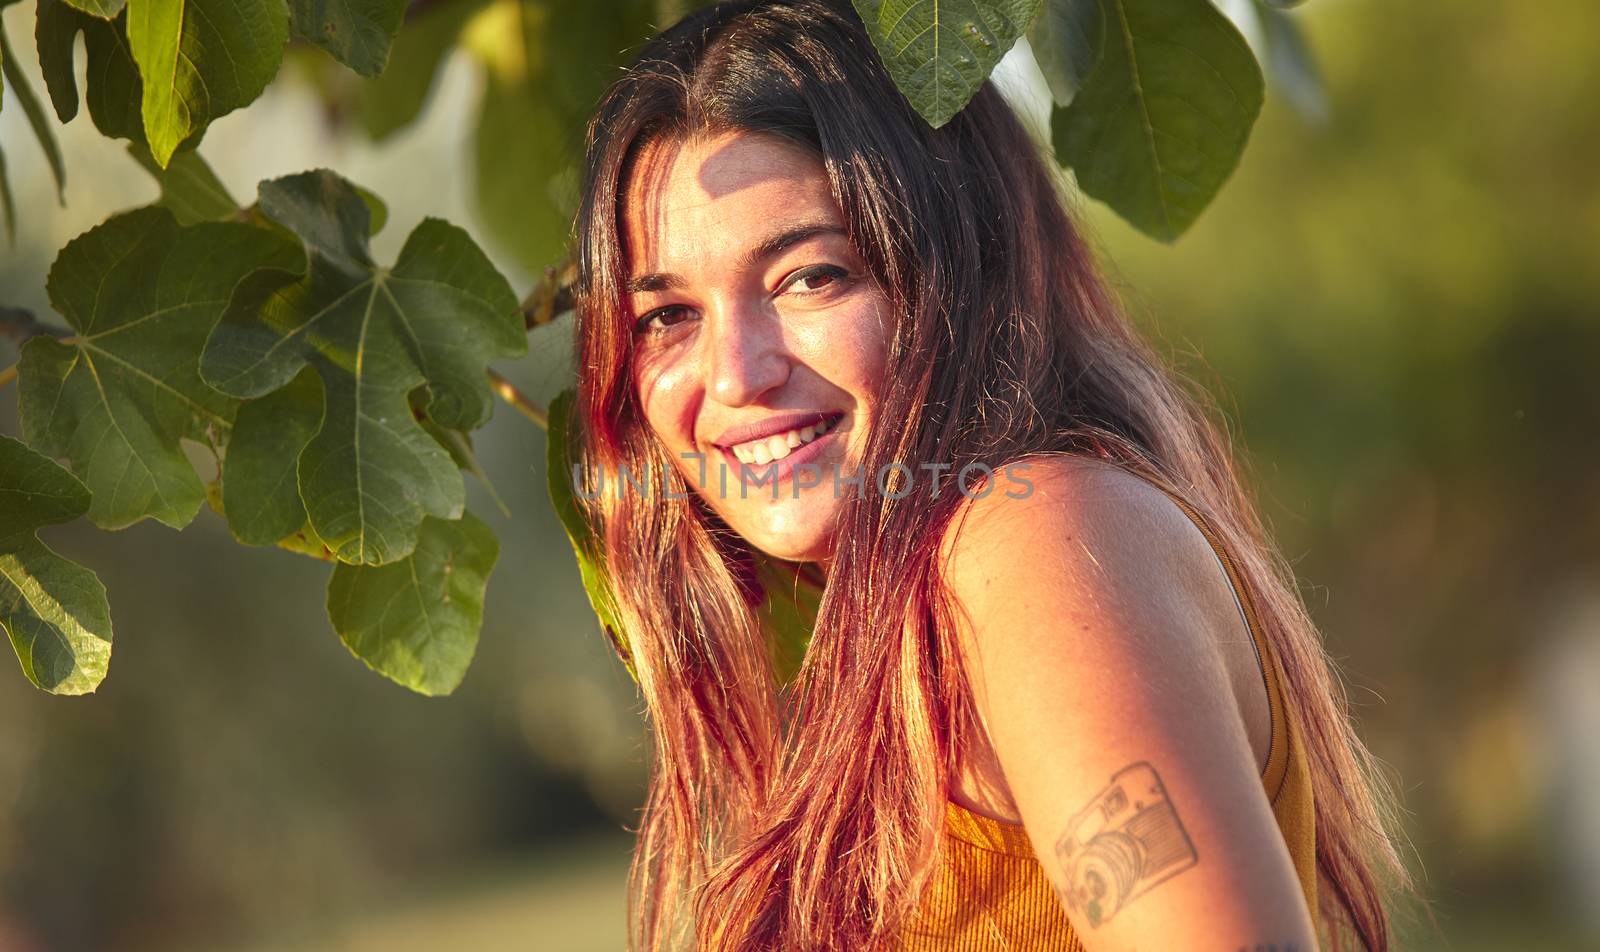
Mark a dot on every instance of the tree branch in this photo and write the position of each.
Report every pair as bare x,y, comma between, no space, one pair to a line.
20,325
551,297
518,400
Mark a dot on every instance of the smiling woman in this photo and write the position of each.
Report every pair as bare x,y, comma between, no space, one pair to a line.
760,335
1089,714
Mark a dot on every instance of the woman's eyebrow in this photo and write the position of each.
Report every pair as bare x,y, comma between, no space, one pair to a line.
754,255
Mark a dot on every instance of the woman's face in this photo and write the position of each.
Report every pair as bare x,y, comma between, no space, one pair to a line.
759,336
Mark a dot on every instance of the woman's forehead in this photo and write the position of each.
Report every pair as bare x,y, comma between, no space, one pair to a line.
705,194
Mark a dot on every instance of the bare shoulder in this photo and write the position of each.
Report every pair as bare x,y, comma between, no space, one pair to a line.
1082,520
1094,586
1103,645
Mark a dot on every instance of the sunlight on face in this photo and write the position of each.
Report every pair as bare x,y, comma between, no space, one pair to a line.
759,335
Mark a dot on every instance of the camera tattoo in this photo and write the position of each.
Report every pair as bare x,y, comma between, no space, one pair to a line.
1122,845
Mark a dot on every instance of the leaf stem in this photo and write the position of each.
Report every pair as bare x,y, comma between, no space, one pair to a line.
518,400
20,325
551,297
7,375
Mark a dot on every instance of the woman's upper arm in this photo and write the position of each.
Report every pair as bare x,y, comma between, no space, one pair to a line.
1091,618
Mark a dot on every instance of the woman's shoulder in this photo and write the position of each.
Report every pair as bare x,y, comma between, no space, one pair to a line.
1103,646
1087,506
1097,586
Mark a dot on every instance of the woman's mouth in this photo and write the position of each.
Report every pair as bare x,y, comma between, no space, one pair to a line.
780,445
774,458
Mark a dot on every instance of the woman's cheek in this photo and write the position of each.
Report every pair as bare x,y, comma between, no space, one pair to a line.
662,389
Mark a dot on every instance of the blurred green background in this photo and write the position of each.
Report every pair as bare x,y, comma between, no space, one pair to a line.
1394,306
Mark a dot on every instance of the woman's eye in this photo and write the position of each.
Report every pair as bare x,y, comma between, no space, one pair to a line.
660,318
819,278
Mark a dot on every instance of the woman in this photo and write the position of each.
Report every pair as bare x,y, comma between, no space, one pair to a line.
1060,692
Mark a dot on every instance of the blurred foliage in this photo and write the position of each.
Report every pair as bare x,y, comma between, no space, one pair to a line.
179,313
1397,308
1394,306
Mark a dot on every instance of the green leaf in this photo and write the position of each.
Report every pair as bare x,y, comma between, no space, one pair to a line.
416,621
393,100
200,60
546,65
53,610
377,211
788,613
522,204
357,33
457,443
55,26
1292,64
31,108
116,399
7,207
591,561
260,488
114,90
377,216
940,51
372,334
1164,116
104,9
189,189
1066,42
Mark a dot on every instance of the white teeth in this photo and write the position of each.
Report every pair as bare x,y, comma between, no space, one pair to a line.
776,447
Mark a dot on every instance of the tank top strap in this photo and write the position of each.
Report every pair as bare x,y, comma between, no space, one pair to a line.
1275,772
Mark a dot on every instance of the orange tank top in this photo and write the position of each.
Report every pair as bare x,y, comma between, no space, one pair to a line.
990,892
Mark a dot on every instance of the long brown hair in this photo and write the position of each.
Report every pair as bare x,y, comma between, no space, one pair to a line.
807,815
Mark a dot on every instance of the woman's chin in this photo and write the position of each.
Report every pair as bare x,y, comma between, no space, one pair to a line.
789,530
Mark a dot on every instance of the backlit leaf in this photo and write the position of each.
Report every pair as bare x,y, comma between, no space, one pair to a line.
1162,119
591,561
940,51
104,9
373,334
200,60
142,294
416,621
8,208
788,613
53,610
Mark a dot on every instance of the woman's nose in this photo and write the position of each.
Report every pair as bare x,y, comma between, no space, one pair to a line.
745,355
